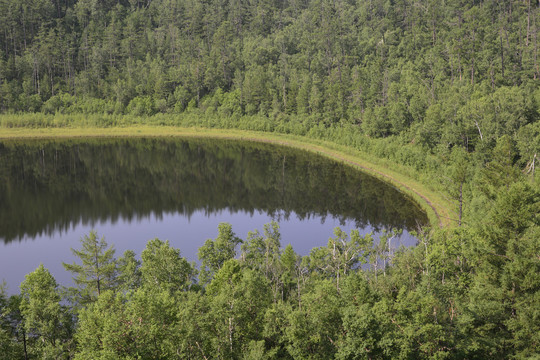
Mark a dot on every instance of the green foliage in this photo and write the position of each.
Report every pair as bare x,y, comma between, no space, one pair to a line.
214,253
40,305
141,106
444,74
103,330
505,284
98,271
152,321
46,322
10,325
163,268
312,331
129,271
239,298
194,327
342,254
501,171
405,82
458,174
465,292
264,254
528,143
363,329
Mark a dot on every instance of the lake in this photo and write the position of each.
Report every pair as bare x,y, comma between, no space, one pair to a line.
53,192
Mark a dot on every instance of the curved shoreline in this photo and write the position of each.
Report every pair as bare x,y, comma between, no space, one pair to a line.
437,211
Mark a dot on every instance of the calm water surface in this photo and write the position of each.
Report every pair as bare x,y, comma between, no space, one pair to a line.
132,190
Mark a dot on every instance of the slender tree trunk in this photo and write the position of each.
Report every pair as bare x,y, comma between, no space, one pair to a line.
86,56
24,344
56,4
536,71
534,161
24,32
230,335
479,131
460,202
492,76
459,67
98,280
6,42
226,78
531,167
451,58
433,32
299,293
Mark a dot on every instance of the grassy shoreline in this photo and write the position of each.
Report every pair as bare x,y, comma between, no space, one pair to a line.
434,204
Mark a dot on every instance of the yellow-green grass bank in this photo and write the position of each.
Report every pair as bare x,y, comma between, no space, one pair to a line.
437,207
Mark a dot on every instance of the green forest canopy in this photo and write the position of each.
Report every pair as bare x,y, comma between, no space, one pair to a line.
459,294
448,89
439,72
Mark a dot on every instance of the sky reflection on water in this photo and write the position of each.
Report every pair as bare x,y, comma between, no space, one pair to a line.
130,191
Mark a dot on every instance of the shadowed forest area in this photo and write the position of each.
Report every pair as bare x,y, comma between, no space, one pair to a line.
448,91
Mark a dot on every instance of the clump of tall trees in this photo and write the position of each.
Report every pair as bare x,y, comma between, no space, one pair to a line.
466,292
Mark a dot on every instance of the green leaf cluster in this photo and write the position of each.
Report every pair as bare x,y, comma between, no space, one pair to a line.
465,292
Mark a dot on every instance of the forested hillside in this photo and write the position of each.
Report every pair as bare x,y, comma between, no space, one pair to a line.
446,90
438,72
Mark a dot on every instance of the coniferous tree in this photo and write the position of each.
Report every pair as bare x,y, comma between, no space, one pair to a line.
98,269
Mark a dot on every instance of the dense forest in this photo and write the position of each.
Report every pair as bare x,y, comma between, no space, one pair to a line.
447,90
437,72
